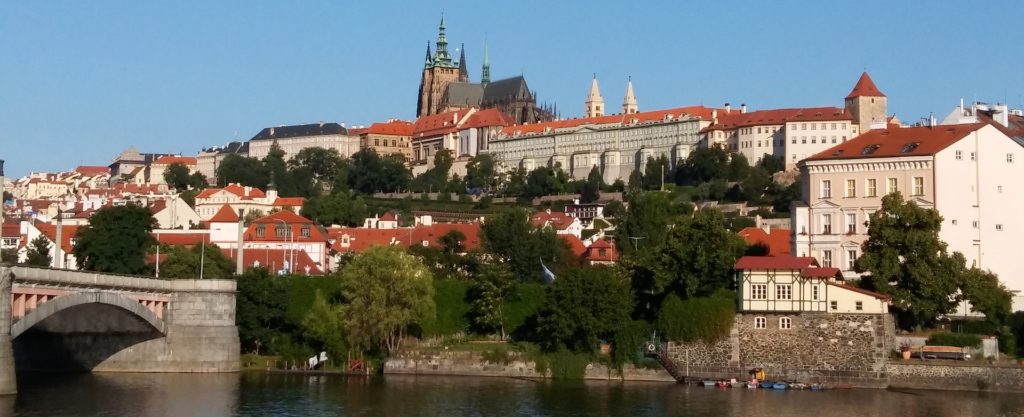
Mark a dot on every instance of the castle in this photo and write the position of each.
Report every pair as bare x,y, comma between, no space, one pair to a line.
445,86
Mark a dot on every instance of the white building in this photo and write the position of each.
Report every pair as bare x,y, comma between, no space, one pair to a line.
788,284
250,199
293,139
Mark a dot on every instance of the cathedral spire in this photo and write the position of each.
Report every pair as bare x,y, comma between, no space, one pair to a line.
463,71
595,103
441,56
430,61
629,101
485,73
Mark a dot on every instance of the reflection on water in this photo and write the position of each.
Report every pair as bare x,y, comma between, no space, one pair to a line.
260,394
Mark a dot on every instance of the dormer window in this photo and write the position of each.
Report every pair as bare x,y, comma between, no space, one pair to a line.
910,147
870,149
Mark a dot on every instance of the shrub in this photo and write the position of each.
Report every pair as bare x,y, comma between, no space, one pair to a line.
629,340
954,339
445,196
706,319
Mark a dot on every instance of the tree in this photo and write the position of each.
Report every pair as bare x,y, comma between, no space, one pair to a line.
206,261
591,190
262,306
696,259
388,291
370,173
646,221
771,163
703,165
635,185
339,207
614,209
510,238
706,319
755,186
987,295
243,170
453,242
541,182
116,240
325,324
494,283
656,172
739,167
176,175
322,163
905,259
481,172
38,252
583,306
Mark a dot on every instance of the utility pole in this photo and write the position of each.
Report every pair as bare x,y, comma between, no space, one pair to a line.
158,254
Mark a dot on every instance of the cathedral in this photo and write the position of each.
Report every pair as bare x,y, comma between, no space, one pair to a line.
445,86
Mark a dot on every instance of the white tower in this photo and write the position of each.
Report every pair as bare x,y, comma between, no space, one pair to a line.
629,101
594,103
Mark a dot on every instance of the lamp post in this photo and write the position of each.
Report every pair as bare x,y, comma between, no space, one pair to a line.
284,257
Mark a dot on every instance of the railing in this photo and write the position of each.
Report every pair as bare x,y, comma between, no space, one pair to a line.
659,352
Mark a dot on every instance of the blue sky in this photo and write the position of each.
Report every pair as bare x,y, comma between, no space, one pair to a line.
82,80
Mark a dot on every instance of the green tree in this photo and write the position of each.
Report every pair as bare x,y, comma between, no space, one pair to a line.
705,319
453,242
591,190
756,185
189,263
198,181
388,291
38,252
703,165
739,167
771,163
494,284
541,182
481,172
339,207
324,324
116,240
646,221
614,209
510,238
987,295
635,185
262,304
243,170
656,172
904,258
583,306
322,163
370,173
176,175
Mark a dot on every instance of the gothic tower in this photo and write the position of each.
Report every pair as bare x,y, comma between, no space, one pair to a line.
438,71
629,101
485,73
595,103
866,103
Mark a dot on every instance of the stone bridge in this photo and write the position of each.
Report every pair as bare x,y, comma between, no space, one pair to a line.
66,320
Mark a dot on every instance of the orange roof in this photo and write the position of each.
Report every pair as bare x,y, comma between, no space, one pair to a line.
910,141
289,201
289,220
392,128
611,253
226,214
273,258
91,171
558,220
437,124
285,215
361,239
733,120
181,239
775,262
576,245
167,160
777,240
622,119
865,87
486,118
50,231
234,189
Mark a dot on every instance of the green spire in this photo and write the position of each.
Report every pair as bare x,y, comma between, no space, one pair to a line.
430,60
485,74
441,56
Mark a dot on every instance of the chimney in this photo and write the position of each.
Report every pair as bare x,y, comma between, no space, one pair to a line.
743,108
247,190
321,124
728,108
1001,114
271,131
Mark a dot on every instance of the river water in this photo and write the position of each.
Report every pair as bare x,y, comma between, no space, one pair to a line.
261,394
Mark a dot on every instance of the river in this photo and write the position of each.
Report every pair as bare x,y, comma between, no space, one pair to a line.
261,394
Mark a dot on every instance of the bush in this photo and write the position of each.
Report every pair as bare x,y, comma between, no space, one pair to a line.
465,198
954,339
562,364
707,319
445,196
452,308
629,341
302,291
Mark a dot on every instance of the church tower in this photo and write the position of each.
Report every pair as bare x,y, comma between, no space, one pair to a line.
595,103
438,71
629,101
867,104
485,73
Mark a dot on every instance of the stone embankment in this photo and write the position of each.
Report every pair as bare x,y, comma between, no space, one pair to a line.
462,363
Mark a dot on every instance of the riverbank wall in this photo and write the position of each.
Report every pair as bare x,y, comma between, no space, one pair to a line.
462,363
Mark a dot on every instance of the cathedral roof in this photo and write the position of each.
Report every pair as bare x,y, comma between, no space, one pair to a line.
314,129
464,94
508,88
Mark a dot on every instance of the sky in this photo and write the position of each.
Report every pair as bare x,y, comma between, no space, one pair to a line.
81,81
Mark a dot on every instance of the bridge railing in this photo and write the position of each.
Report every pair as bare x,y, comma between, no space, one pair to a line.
76,278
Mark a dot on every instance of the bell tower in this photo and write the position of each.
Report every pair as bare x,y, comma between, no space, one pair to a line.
867,104
595,103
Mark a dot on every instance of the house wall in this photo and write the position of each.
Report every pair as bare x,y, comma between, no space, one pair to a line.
344,144
808,295
803,139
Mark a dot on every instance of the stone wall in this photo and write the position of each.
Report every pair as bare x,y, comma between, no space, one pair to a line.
838,348
461,363
946,376
8,384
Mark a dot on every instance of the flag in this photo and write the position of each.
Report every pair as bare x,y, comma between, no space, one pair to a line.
546,273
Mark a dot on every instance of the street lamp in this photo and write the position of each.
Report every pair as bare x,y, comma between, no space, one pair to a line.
284,252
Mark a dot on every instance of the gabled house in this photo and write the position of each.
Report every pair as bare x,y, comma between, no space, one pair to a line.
562,223
791,285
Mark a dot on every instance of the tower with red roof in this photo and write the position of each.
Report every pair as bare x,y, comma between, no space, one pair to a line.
867,104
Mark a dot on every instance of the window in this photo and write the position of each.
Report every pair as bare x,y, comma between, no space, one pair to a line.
814,292
1009,158
859,305
826,258
851,223
760,322
260,230
999,227
974,224
280,231
833,126
851,188
305,230
826,224
785,323
826,189
851,259
803,126
999,189
954,222
974,157
872,188
834,305
918,185
893,185
759,291
959,155
783,291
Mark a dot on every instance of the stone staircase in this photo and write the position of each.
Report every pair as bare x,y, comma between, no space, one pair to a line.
659,352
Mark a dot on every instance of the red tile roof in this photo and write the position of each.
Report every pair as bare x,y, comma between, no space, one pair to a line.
576,245
50,231
822,273
392,128
777,240
389,217
775,262
611,253
234,189
734,120
296,202
289,220
910,141
558,220
181,239
273,258
487,118
437,124
10,230
865,87
226,214
361,239
167,160
91,171
623,119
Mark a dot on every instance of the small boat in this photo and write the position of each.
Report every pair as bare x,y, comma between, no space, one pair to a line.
780,386
708,383
766,384
798,385
723,384
752,384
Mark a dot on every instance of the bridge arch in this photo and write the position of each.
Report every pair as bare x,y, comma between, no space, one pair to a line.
59,304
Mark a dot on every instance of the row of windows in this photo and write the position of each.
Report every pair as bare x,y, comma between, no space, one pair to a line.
814,140
814,126
851,258
785,323
974,156
871,187
976,224
826,224
281,232
782,292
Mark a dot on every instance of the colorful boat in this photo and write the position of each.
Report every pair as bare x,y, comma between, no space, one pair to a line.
780,386
708,383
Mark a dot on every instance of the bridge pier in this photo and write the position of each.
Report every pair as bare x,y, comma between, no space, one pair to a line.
8,382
